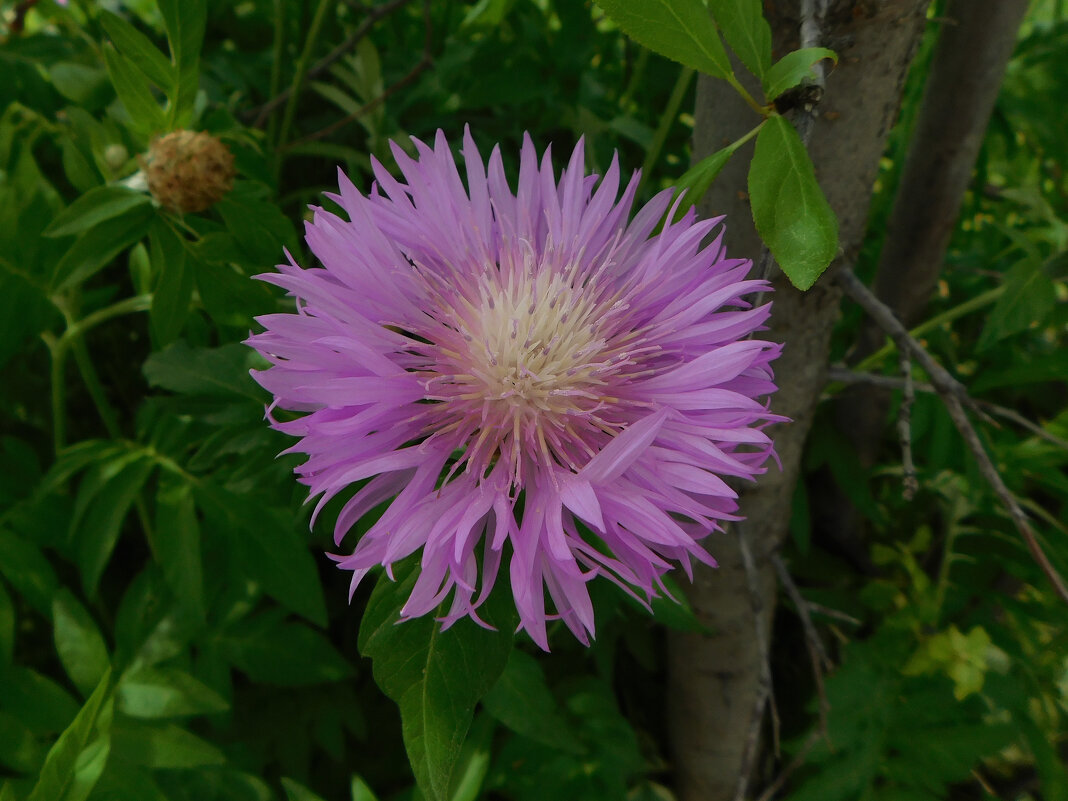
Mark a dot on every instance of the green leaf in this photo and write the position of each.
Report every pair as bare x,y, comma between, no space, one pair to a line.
360,791
793,68
698,179
98,246
87,86
272,651
746,31
436,677
98,204
184,21
178,543
58,773
31,575
166,746
38,701
7,627
80,645
522,701
789,209
269,549
18,747
100,510
203,371
138,48
135,93
682,30
174,290
298,792
166,693
88,768
1028,300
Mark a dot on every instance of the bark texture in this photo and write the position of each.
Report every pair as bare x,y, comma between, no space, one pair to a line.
973,50
715,680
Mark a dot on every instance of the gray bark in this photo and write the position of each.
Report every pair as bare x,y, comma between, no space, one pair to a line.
973,50
714,681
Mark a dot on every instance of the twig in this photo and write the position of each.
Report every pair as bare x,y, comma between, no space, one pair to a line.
374,14
833,614
951,391
816,652
414,73
765,690
904,429
844,375
795,763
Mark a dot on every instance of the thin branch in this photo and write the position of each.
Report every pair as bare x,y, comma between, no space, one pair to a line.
425,62
904,429
374,14
951,391
765,693
844,375
817,653
795,763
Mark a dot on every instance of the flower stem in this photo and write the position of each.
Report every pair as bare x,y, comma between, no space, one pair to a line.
667,119
302,70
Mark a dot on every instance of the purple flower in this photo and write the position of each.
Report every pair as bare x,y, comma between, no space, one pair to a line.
528,376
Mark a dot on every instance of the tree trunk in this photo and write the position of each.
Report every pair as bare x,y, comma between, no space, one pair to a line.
973,51
715,680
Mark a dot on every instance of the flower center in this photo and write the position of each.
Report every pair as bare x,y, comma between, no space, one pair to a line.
523,363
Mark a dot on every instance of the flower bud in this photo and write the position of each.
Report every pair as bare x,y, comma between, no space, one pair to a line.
115,156
188,170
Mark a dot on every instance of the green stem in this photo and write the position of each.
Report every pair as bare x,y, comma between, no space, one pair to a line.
748,98
667,119
277,52
78,328
948,316
58,356
635,77
302,70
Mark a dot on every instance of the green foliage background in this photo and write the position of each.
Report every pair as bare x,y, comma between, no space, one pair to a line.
168,628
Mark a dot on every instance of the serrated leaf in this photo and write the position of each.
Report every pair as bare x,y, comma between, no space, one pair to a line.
174,289
166,693
436,677
522,701
203,371
98,204
138,48
746,31
1028,299
697,180
134,91
789,209
681,30
178,543
793,68
57,774
80,645
99,245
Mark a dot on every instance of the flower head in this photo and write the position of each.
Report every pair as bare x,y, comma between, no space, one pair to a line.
188,170
528,375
